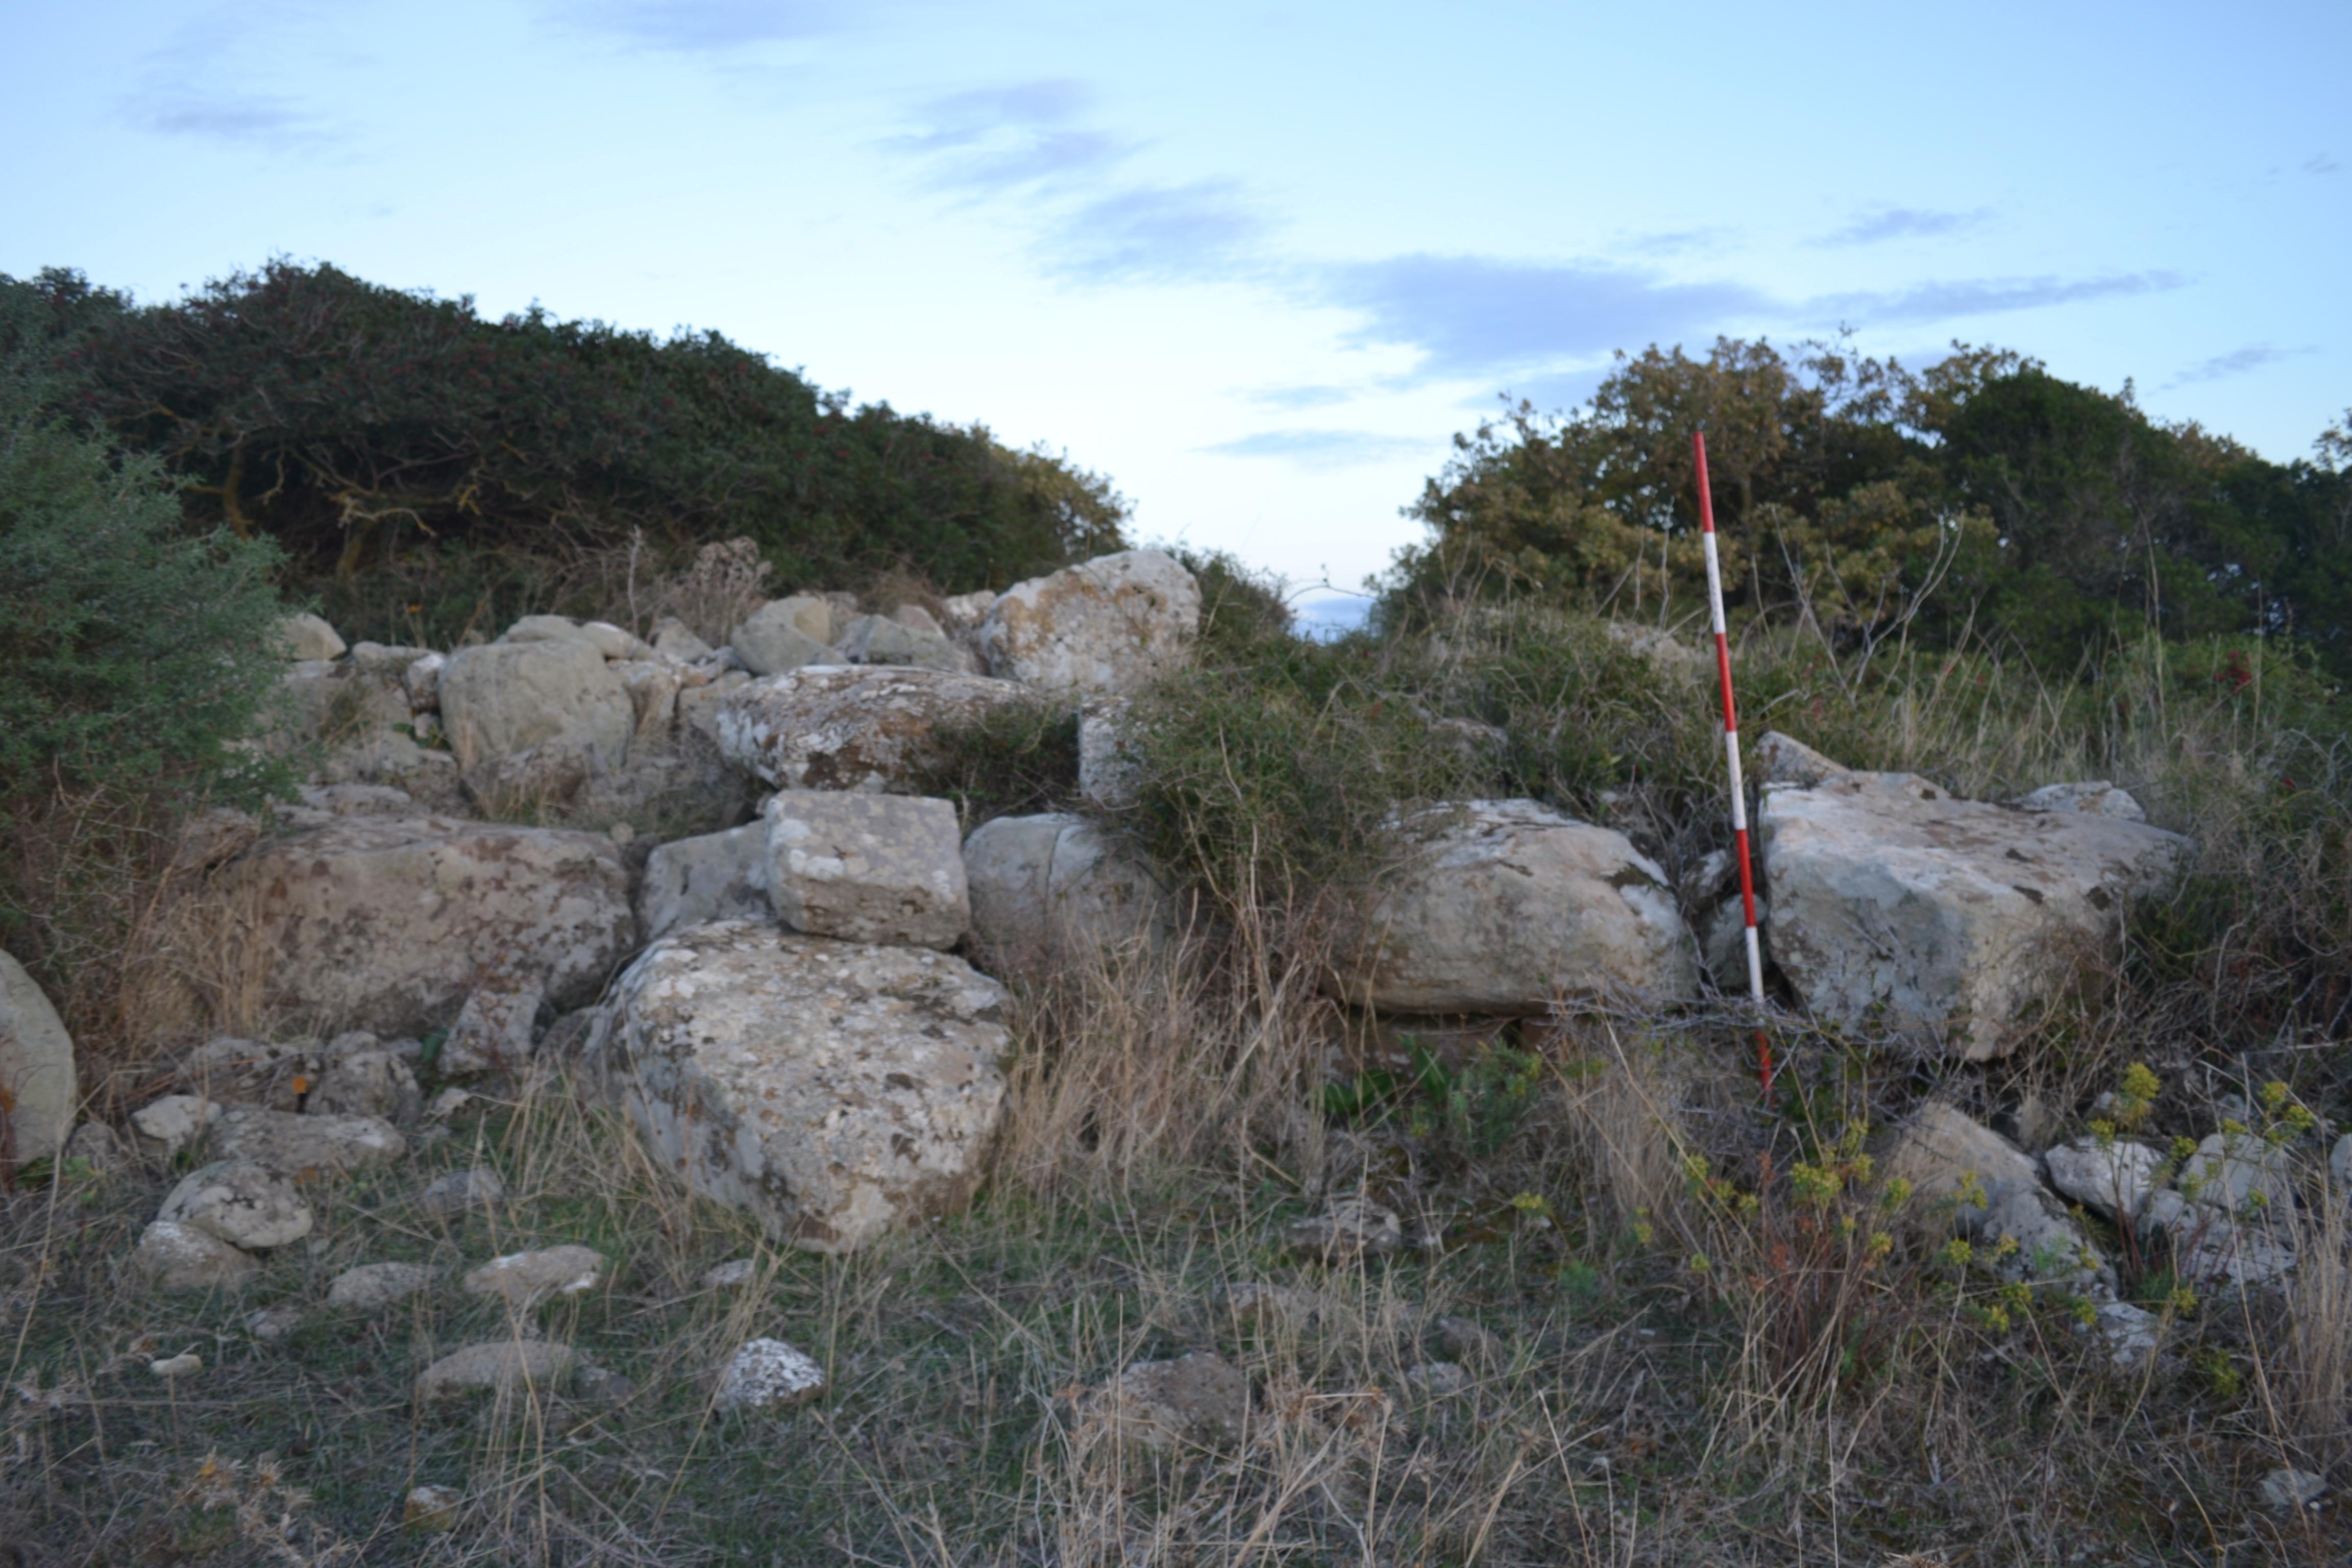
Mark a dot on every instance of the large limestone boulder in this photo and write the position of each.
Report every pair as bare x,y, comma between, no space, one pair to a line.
388,923
714,876
878,639
868,728
1104,626
307,638
1952,919
1509,904
1053,889
506,698
785,633
38,1092
831,1089
247,1205
866,867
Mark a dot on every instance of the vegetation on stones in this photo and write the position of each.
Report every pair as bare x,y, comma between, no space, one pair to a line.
1981,500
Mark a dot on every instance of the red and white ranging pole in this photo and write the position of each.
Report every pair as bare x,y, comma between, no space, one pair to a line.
1731,754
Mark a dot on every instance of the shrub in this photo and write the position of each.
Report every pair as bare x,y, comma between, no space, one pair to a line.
420,464
134,657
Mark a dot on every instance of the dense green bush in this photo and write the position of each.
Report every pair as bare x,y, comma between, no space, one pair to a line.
1982,498
132,652
424,467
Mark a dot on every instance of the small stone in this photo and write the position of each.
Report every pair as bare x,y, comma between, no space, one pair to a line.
366,1083
2130,1332
461,1191
1437,1379
244,1204
2242,1174
1271,1307
431,1510
525,1279
765,1374
500,1364
493,1032
168,1125
2339,1164
2293,1489
187,1363
305,1146
182,1257
1200,1398
1347,1227
271,1325
1469,1343
448,1103
96,1146
307,637
601,1385
2112,1178
374,1286
728,1275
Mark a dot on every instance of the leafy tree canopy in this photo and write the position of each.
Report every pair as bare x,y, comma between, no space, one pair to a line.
1982,495
367,429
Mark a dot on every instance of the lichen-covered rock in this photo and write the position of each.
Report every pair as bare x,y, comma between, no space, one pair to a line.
1955,1165
462,1191
503,1366
387,923
866,867
37,1093
526,1278
506,698
1201,1399
1348,1226
785,633
372,1286
868,727
1952,919
2112,1178
367,1083
2241,1174
831,1089
182,1257
307,638
1508,905
715,877
247,1205
1110,764
305,1147
1104,626
492,1033
1967,1178
874,640
764,1374
2095,795
1054,889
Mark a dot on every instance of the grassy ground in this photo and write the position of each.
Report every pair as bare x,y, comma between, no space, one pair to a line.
1632,1408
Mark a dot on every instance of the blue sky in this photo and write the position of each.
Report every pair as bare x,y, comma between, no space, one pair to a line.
1256,261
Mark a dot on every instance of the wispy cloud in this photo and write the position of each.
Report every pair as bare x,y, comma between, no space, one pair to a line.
1158,234
263,121
999,136
1877,225
1949,299
1320,449
2321,163
2236,361
710,27
1471,315
1294,397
